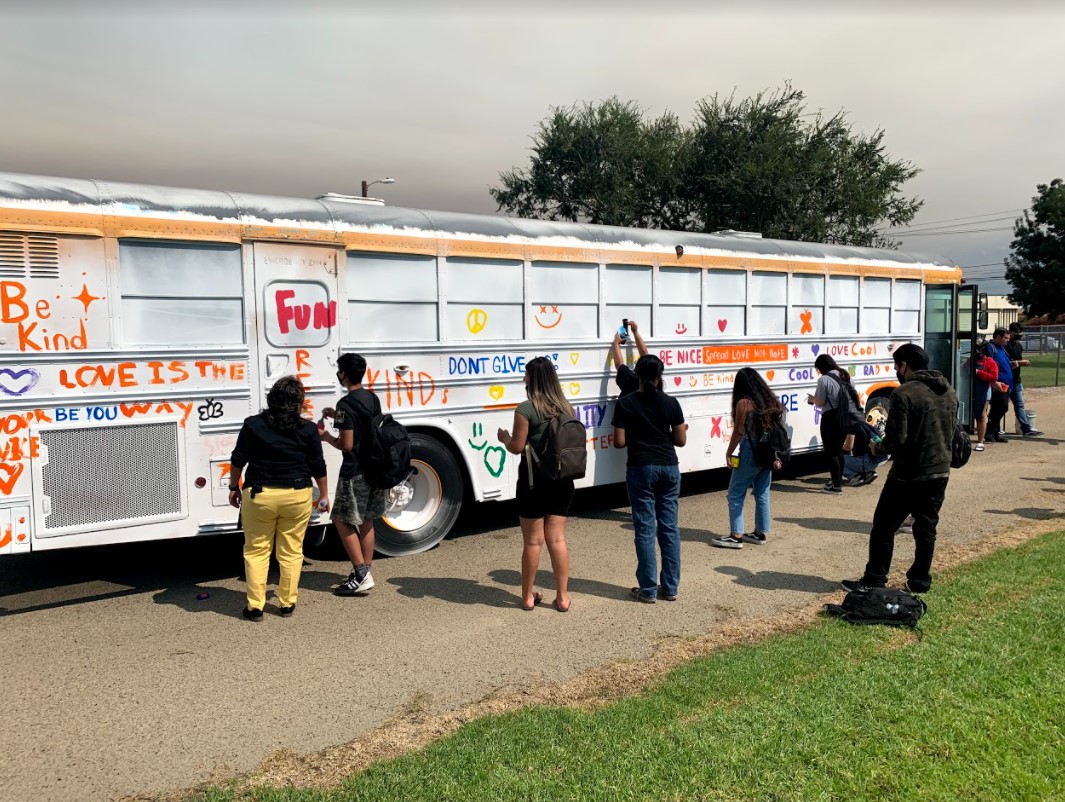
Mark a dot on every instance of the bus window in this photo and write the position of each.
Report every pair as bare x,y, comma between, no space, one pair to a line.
392,297
906,311
564,297
807,299
876,306
679,302
627,294
842,317
768,303
726,303
484,299
181,293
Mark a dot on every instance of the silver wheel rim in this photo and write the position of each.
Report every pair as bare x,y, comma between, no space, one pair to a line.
427,494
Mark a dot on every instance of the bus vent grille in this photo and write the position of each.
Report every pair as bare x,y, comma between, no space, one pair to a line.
28,256
111,474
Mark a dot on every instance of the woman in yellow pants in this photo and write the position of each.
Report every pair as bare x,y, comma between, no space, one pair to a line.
282,452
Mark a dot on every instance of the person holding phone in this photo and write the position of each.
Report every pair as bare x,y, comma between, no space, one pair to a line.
282,452
626,378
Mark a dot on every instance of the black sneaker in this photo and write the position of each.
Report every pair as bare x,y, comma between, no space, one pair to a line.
998,438
667,596
285,612
831,488
640,596
757,538
1033,433
855,586
252,615
727,542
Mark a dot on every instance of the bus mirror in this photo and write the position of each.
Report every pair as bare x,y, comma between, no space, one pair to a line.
981,322
981,303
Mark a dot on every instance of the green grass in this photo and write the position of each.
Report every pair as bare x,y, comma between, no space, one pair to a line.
1041,372
974,711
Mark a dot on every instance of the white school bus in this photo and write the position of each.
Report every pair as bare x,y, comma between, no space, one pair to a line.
140,325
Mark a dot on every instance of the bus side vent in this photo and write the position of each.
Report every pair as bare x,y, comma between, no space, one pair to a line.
109,475
28,256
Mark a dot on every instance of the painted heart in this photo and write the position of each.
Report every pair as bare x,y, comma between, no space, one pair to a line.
496,455
574,388
815,348
721,325
769,374
18,382
496,391
9,474
574,356
676,380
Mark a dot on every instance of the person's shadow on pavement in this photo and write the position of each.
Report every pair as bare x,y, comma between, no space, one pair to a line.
777,580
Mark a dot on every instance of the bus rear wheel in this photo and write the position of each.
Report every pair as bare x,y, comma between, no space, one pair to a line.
426,505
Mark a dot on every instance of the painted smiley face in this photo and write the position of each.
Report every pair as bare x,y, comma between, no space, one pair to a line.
550,319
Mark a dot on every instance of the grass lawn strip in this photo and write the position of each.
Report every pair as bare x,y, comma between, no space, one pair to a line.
974,710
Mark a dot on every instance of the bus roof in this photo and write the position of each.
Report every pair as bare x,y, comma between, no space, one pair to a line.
86,195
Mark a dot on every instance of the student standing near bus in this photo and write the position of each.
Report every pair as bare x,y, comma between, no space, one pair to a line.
282,453
834,394
1015,351
543,502
626,377
651,425
1000,391
356,503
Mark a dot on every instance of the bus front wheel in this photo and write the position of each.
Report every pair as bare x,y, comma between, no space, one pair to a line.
424,508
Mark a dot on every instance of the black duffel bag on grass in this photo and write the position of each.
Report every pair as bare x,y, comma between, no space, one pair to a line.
896,608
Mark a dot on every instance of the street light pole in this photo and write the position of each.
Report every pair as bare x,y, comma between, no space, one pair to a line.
367,184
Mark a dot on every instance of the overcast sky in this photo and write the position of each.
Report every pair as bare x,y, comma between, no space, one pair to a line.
304,98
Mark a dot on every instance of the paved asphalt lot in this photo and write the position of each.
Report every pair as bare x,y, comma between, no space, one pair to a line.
117,680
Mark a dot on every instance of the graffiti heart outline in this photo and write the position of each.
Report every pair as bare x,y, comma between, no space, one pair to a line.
18,382
497,469
574,356
7,483
574,388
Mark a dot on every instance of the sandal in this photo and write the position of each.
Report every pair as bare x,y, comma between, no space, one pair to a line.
978,447
558,606
537,598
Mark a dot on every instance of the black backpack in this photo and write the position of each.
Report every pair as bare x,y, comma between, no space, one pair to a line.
773,445
565,449
960,446
384,450
895,608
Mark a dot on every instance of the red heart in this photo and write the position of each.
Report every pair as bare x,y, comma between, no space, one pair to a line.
676,380
721,324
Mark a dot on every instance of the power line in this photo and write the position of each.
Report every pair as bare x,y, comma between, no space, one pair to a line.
956,219
904,235
989,264
907,232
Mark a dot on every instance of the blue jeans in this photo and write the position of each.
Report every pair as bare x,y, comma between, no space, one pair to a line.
653,494
1017,397
852,466
749,475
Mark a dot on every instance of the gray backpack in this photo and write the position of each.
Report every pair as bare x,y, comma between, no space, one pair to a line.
565,449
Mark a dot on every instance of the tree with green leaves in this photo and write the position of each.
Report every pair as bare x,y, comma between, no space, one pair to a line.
757,164
1036,264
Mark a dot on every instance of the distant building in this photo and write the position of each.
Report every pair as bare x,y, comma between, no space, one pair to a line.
1000,312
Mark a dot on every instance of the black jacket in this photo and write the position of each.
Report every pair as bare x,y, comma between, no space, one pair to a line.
277,458
920,427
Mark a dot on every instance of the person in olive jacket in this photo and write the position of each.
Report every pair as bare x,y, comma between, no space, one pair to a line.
920,428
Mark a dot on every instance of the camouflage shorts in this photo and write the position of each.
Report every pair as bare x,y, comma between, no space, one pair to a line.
356,502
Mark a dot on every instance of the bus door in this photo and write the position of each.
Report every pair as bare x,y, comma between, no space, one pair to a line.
966,343
296,320
950,330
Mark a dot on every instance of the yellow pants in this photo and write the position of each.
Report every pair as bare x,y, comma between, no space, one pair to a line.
275,518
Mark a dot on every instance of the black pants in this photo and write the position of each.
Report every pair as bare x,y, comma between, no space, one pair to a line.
832,438
1000,404
921,499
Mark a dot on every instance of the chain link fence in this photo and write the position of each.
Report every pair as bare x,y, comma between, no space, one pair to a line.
1043,346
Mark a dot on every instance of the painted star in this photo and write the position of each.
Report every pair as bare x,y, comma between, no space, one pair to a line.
86,297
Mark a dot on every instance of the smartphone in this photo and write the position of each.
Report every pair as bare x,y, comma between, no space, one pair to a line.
623,332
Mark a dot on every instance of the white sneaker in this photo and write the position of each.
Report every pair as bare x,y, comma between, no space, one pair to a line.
907,526
353,587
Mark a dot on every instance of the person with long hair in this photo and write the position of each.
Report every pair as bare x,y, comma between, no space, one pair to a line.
651,425
754,410
986,378
543,502
834,392
282,453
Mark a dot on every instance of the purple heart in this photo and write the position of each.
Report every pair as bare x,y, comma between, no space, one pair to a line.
18,382
815,349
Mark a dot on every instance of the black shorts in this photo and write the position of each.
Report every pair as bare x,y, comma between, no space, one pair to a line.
547,497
